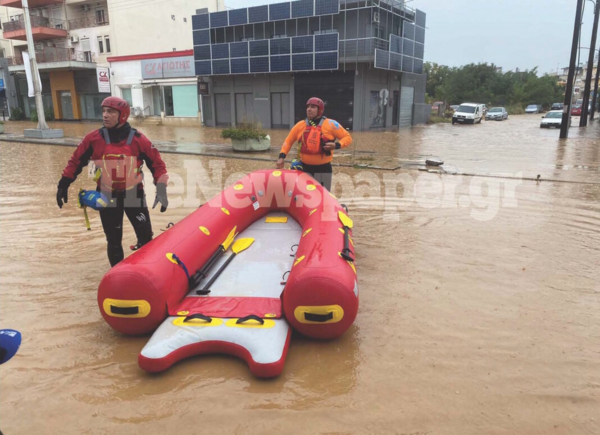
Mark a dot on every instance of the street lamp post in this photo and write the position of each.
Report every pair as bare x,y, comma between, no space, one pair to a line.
43,131
564,126
594,99
588,78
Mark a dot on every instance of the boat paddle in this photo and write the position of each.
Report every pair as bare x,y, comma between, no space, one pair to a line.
201,273
347,223
239,246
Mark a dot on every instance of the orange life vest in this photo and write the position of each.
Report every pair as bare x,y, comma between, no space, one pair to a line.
312,138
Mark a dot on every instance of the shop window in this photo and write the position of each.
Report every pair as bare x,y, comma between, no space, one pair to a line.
127,95
168,92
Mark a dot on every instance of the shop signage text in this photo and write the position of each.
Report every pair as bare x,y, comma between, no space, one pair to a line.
103,76
171,67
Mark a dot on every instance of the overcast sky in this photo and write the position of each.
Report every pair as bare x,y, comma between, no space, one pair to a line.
509,33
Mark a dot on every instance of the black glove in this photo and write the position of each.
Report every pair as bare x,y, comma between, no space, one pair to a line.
161,196
61,193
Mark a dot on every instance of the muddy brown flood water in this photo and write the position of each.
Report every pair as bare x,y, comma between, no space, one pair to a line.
480,298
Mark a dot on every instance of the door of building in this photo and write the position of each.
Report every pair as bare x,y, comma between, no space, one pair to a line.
66,105
280,110
223,110
407,95
244,108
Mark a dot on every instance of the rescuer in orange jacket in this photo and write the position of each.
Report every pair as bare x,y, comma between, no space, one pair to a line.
118,152
316,138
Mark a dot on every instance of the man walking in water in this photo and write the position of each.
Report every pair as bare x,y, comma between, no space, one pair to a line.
316,137
118,152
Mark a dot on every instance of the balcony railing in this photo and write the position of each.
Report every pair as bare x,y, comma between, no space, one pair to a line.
81,23
36,21
51,54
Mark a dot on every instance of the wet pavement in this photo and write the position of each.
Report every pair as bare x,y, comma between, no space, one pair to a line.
480,309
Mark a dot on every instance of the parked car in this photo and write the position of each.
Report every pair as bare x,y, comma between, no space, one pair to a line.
553,119
496,113
557,106
468,113
576,110
532,108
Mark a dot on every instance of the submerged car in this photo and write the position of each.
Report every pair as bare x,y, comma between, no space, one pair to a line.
553,119
497,114
532,108
557,106
576,110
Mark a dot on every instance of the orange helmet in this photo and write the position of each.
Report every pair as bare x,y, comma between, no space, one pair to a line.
319,103
120,105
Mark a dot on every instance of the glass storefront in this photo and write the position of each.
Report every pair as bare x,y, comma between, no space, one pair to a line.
90,105
180,101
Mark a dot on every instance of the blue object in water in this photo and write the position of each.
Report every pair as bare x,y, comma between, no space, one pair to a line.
92,199
10,340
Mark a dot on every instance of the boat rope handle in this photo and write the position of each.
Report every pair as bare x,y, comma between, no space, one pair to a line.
198,316
284,282
179,262
321,318
292,249
345,207
250,317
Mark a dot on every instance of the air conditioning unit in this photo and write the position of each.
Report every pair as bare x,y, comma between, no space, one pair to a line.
376,18
85,8
74,39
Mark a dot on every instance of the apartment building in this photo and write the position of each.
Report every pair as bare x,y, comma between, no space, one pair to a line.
364,58
75,38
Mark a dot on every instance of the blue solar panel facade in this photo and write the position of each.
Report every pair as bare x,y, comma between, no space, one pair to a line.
200,22
259,48
395,44
238,17
419,51
326,61
202,52
280,46
280,63
407,64
240,66
382,59
420,34
238,49
259,64
326,42
218,19
220,51
395,61
420,18
203,68
327,7
201,37
258,14
220,66
302,44
302,62
279,11
418,66
303,8
409,31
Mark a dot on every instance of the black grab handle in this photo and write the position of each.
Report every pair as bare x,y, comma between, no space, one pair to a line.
250,317
318,317
124,311
198,316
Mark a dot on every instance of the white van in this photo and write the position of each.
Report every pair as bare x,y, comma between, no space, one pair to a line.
468,113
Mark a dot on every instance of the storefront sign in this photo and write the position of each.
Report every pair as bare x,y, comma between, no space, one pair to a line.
103,76
168,68
203,88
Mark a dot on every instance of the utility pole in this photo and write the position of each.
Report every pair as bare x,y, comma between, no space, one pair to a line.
39,105
590,67
564,126
594,100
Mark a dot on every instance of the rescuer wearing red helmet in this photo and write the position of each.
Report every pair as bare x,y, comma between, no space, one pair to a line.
316,137
118,153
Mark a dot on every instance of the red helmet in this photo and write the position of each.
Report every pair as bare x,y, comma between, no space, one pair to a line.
120,105
319,103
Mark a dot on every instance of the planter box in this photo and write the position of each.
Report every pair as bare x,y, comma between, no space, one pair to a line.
251,144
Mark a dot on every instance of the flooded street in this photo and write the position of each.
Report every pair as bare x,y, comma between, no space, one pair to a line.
480,296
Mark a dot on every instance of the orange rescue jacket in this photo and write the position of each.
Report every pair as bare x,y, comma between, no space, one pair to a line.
306,135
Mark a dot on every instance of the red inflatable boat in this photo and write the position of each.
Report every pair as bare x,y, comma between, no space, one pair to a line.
292,262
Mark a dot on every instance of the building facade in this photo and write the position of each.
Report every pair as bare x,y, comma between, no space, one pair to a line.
363,58
75,41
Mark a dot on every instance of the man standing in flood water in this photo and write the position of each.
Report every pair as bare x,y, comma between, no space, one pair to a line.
118,152
316,137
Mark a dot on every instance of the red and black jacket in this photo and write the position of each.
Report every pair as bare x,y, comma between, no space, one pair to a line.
120,163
